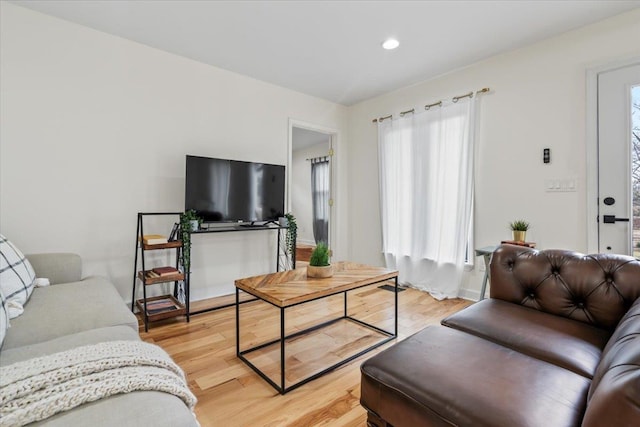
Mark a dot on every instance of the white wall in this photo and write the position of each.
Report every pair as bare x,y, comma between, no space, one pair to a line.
95,129
537,100
301,200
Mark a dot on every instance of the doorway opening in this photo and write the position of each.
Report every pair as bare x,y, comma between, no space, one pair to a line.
311,184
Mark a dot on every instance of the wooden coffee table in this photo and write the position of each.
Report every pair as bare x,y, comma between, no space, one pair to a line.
287,289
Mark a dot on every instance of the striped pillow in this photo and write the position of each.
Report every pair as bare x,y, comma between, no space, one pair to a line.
16,273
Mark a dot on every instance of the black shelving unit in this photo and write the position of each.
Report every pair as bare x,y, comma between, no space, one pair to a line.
285,260
164,306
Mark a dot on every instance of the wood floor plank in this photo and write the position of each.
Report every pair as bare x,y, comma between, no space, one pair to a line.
230,394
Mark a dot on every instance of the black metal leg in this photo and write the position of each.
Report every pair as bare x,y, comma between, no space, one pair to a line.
144,300
278,253
237,322
345,303
135,266
282,338
396,306
187,295
133,295
293,255
144,284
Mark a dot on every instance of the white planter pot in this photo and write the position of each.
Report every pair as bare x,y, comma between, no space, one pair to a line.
319,272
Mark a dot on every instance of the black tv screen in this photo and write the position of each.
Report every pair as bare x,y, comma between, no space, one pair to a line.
221,190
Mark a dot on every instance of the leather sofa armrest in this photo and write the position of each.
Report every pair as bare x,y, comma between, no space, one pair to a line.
614,395
57,267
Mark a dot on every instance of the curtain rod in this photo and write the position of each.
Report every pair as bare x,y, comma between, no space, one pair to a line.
318,158
435,104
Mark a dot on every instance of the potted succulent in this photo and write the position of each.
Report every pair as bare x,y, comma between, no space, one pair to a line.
319,266
519,228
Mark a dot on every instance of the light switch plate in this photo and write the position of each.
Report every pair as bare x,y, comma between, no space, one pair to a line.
561,185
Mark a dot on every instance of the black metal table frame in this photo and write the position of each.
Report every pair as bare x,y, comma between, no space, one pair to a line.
232,228
282,389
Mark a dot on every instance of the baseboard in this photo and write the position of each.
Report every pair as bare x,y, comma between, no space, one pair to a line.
469,294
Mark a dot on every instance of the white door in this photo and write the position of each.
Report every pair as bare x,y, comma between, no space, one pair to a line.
618,161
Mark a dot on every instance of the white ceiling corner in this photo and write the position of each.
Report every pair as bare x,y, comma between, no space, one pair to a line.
332,49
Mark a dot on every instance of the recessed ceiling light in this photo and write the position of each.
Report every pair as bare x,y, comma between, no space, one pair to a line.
390,44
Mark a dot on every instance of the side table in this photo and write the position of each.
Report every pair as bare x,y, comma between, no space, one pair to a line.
486,254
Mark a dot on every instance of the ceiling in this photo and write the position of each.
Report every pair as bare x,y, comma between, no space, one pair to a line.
332,49
305,138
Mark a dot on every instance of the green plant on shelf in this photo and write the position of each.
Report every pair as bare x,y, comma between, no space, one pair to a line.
292,233
320,255
186,228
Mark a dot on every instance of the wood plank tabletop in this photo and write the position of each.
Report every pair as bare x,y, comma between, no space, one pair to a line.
291,287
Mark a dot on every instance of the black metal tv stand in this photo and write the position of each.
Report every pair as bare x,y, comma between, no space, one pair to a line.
285,259
253,224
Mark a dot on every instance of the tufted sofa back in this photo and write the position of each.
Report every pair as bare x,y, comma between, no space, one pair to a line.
595,289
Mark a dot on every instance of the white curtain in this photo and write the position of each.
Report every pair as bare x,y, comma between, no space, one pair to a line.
426,195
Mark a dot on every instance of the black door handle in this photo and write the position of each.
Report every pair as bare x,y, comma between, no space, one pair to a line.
611,219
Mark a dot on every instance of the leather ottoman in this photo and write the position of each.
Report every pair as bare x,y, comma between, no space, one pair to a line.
472,382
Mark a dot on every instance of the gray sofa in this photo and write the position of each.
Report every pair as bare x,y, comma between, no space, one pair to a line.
73,312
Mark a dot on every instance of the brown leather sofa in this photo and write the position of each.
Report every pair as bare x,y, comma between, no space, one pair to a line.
557,344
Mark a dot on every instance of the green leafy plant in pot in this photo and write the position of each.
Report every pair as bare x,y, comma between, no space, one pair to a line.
519,228
319,266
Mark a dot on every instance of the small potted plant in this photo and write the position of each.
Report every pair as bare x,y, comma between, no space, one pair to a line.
519,228
319,266
189,220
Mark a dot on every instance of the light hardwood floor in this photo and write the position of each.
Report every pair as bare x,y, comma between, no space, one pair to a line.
230,394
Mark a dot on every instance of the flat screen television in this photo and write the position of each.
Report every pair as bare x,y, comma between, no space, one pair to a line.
222,190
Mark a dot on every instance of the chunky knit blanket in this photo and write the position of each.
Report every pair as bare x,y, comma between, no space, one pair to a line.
38,388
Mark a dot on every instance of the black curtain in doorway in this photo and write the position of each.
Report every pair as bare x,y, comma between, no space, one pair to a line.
320,197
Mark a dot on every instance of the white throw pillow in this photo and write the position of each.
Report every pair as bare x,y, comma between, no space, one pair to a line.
4,317
16,274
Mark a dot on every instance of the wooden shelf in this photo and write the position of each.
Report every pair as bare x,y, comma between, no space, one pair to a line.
165,306
169,245
160,279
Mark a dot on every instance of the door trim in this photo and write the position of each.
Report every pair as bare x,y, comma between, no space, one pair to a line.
592,145
333,188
